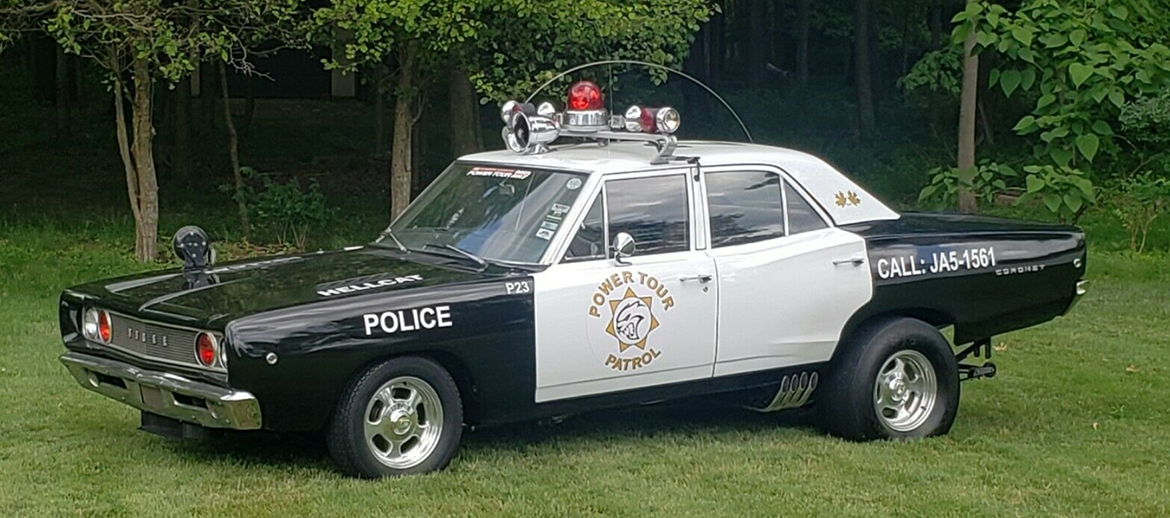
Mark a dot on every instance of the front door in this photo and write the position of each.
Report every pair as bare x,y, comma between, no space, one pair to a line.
606,326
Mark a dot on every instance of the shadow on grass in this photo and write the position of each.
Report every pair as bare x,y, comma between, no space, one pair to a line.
683,418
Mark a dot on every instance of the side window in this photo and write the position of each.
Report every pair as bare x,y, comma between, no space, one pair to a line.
801,216
589,243
654,211
745,207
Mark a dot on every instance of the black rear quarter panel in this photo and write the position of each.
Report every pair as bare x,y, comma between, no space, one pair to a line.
938,267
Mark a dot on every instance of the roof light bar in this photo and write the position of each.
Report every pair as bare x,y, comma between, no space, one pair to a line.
530,129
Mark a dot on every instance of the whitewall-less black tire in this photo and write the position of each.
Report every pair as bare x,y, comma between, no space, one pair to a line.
400,417
895,378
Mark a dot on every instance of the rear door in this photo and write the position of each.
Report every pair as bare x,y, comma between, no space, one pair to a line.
788,279
603,326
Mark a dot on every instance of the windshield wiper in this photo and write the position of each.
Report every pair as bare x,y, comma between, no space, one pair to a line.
390,234
463,253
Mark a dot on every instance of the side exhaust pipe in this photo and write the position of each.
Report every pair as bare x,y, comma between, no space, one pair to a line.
795,391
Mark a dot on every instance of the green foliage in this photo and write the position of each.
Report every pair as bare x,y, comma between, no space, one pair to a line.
1147,119
938,71
533,40
1065,192
1080,61
989,178
1138,201
170,36
286,209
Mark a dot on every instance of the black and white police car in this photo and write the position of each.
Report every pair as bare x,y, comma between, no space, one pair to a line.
620,266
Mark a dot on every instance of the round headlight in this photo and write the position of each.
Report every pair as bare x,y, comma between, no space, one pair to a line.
667,120
89,324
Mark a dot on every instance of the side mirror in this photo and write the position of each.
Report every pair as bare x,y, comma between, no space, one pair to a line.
623,246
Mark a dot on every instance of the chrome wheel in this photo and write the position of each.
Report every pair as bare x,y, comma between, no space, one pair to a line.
905,391
403,422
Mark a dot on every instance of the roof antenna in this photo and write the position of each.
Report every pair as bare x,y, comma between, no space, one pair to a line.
651,65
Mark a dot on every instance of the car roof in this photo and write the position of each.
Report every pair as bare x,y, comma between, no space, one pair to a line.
844,200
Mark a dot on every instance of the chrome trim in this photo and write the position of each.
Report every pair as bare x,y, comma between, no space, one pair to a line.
795,391
220,366
1080,293
155,391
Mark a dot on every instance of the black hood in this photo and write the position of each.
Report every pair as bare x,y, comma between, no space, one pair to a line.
223,292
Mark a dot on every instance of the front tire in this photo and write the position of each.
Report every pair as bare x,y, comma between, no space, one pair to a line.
400,417
896,379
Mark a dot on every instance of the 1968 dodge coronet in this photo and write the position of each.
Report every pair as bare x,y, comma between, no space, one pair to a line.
619,266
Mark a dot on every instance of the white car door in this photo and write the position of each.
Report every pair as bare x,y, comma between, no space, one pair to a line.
604,326
788,280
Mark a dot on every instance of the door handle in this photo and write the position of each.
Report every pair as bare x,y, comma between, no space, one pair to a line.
855,261
701,278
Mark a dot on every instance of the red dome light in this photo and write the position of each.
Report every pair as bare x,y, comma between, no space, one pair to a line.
104,330
585,96
206,349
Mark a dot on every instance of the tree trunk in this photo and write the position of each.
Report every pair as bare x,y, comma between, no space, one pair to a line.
63,98
967,104
401,159
861,72
249,102
379,124
208,106
124,151
905,64
718,48
936,23
138,158
755,54
802,26
234,153
182,130
464,114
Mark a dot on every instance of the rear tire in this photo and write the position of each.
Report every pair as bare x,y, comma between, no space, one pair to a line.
895,379
400,417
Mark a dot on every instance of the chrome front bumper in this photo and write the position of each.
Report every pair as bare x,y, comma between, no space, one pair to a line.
165,394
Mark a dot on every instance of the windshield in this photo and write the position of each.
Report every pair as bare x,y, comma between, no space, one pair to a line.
494,212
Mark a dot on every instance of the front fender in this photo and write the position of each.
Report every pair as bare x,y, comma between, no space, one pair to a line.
298,361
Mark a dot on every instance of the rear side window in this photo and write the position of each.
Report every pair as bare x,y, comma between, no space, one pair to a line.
801,215
745,207
654,211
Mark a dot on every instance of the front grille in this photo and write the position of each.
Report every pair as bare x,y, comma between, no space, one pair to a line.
153,341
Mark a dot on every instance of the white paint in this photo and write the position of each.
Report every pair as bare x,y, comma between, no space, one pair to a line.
576,302
783,302
574,353
822,181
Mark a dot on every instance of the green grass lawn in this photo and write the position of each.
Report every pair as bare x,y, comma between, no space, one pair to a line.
1075,424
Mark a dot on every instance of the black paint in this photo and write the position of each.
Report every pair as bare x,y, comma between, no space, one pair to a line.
979,302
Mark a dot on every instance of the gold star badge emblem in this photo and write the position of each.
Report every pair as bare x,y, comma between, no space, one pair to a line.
632,320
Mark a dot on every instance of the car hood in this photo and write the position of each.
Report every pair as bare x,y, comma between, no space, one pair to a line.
218,294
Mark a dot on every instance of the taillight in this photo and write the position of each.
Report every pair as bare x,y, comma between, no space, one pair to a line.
206,349
585,95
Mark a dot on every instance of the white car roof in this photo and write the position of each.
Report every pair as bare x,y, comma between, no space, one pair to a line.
845,201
